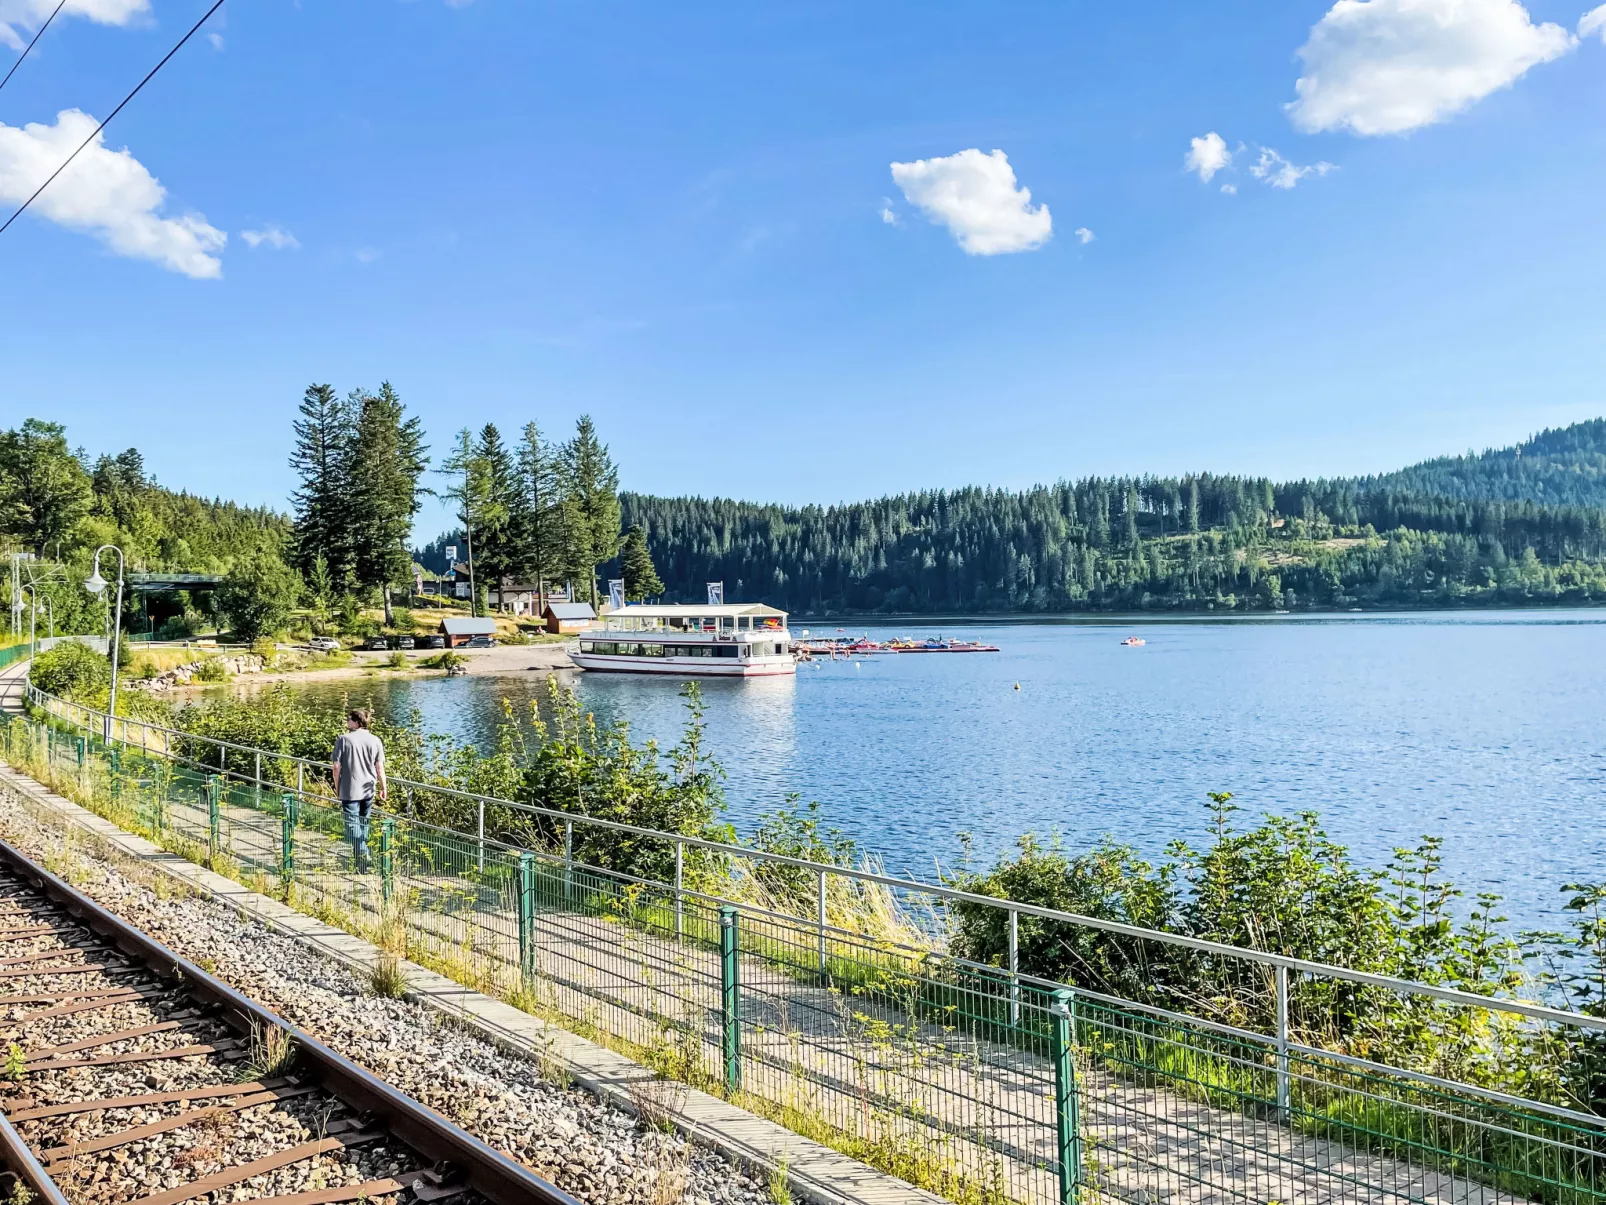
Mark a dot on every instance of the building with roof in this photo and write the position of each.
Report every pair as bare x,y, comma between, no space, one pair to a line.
561,617
460,630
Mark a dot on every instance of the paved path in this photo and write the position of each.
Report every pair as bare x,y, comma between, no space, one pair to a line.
13,688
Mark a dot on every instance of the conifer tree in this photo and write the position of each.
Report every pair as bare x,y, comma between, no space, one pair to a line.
495,546
323,501
635,562
591,505
387,465
535,518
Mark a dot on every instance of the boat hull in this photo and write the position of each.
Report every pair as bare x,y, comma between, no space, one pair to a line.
685,667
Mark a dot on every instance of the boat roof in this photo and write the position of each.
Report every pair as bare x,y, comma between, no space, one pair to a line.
659,611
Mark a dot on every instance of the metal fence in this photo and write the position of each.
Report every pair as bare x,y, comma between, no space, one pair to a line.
982,1083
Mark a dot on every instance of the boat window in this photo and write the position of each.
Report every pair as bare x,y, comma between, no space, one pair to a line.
587,646
782,648
724,650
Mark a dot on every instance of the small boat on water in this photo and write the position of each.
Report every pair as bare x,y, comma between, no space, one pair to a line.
1134,642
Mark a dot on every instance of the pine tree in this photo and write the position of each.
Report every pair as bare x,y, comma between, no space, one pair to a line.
635,561
591,510
535,516
496,550
323,501
478,506
388,461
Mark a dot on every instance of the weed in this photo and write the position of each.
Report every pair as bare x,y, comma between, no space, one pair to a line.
386,978
779,1183
272,1053
657,1101
16,1065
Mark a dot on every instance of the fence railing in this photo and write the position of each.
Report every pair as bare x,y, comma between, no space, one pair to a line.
982,1082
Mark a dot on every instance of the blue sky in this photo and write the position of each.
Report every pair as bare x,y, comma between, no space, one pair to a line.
685,220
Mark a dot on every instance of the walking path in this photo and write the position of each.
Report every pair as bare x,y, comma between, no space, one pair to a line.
984,1109
13,688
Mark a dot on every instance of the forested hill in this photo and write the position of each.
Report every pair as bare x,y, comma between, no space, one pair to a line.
1174,543
1564,467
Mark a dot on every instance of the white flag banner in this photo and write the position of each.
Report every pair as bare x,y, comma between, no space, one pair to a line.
716,594
616,593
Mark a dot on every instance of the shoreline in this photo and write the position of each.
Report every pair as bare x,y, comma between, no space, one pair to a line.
513,660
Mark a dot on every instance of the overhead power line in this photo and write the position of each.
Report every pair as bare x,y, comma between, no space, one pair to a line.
176,48
30,46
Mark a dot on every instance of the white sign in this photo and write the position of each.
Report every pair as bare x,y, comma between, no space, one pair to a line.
716,594
616,593
451,555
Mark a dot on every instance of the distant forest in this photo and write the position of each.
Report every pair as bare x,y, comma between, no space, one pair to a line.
1520,525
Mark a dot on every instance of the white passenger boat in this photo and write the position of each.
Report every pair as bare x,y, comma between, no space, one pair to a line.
714,640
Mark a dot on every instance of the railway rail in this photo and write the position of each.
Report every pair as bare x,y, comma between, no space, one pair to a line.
131,1076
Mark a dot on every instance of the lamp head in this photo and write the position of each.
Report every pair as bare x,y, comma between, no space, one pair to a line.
94,583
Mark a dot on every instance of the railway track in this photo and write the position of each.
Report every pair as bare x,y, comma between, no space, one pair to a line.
131,1076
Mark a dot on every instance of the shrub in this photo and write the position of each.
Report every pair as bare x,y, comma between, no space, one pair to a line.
397,660
258,594
266,648
72,671
212,670
446,660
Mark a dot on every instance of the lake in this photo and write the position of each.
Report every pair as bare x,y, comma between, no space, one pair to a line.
1483,728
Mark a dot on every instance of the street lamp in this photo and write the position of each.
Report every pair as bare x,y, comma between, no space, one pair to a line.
33,619
96,584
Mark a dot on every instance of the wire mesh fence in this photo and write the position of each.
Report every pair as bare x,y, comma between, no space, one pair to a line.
982,1084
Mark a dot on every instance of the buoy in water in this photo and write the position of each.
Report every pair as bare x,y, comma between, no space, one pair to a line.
1017,686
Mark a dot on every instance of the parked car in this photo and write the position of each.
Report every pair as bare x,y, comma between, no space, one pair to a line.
324,644
479,642
376,643
432,642
404,642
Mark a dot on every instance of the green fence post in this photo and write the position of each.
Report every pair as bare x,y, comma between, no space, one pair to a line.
1068,1128
730,1001
386,830
116,774
526,917
83,757
214,815
287,854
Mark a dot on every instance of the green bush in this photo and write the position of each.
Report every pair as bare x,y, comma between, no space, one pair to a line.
258,595
72,671
212,670
446,660
397,660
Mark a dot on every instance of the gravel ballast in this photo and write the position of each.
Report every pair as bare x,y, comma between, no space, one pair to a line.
595,1151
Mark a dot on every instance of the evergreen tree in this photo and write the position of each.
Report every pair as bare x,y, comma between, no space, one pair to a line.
478,505
536,511
324,501
387,465
591,509
44,488
635,563
496,551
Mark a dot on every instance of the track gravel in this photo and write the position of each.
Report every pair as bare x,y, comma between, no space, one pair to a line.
595,1151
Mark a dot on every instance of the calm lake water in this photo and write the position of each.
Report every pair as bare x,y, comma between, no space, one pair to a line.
1485,729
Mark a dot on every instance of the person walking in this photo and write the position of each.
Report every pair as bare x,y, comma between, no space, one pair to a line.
359,774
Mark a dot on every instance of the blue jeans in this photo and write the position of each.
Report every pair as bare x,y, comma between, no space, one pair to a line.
356,817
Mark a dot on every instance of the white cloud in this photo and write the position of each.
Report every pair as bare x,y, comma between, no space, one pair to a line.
1279,173
976,197
1594,21
269,236
1389,66
1083,235
106,193
17,15
216,39
1230,189
1207,155
366,255
887,215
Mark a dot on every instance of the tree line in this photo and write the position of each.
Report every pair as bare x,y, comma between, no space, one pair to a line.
1193,542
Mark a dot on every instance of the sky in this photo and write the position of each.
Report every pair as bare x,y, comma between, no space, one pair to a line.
813,252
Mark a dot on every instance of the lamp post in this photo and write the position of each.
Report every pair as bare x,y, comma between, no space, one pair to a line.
33,619
95,584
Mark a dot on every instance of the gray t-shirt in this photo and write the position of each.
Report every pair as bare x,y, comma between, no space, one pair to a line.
359,755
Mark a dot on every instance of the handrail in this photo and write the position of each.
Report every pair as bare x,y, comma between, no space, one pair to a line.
1533,1011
